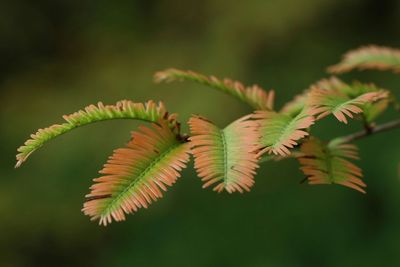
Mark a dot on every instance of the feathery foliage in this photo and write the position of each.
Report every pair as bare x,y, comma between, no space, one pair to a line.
334,102
225,157
328,164
279,132
253,95
369,57
371,110
135,176
150,111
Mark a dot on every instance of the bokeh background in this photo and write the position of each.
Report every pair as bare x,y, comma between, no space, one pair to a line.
59,56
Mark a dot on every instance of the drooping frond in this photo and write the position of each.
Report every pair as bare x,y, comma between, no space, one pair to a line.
253,95
328,164
369,57
334,102
125,109
136,175
279,132
228,157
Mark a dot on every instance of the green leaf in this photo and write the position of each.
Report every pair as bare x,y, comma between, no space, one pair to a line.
136,175
225,157
280,132
327,164
369,58
254,95
150,111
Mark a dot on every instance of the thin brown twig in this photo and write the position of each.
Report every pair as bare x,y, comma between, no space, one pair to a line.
367,126
370,131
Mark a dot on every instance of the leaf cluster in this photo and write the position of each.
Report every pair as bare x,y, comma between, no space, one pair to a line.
227,158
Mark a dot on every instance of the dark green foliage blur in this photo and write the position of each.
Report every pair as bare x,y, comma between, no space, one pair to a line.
59,56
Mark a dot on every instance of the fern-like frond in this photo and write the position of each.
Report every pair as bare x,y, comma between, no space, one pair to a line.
228,157
328,164
370,110
369,57
334,102
254,96
136,175
125,109
336,92
279,132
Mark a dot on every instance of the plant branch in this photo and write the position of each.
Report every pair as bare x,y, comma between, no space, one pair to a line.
370,131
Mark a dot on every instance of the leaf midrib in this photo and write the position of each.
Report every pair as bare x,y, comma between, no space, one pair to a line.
138,180
225,149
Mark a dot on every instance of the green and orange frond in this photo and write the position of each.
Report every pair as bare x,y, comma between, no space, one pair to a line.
125,109
325,102
254,95
328,164
280,132
341,92
136,175
369,58
225,158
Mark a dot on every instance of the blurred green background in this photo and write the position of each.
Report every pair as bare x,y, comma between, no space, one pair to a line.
59,56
